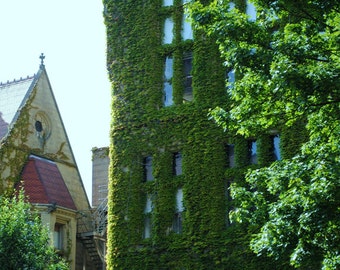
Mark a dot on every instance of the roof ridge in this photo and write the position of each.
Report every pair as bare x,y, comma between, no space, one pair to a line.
17,81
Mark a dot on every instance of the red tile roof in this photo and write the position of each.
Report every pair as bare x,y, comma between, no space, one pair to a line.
43,183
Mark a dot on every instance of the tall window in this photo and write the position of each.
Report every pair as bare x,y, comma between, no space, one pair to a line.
178,218
58,236
177,163
168,73
147,217
231,155
228,202
276,143
148,176
187,32
187,69
168,31
253,152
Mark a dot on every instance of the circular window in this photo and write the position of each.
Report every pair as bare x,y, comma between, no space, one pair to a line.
42,125
38,126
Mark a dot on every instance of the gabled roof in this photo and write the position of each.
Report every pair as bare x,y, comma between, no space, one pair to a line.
44,184
13,96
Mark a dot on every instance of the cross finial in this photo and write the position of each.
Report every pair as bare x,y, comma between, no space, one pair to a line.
42,57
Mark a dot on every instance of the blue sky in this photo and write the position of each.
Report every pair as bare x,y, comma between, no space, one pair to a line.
71,34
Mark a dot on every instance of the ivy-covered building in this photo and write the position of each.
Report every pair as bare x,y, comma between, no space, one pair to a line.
171,166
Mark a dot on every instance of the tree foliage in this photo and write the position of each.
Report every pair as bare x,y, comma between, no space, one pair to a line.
287,65
24,241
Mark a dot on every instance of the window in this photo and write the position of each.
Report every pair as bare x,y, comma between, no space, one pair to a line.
147,217
231,155
168,73
186,28
58,236
148,169
228,202
251,11
253,152
178,218
276,143
187,69
168,31
38,126
177,163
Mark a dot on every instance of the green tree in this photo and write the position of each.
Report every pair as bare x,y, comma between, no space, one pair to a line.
287,65
24,241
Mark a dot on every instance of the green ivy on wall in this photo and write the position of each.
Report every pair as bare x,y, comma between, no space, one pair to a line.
142,126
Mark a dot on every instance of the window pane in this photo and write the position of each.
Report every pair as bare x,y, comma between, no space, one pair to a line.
179,200
187,68
177,223
147,227
148,169
168,31
187,28
167,87
148,205
177,219
58,236
231,155
168,70
253,152
147,216
168,100
177,164
277,153
187,62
